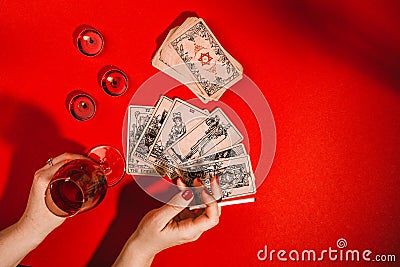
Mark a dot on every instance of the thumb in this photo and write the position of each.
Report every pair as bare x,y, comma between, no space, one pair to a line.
178,203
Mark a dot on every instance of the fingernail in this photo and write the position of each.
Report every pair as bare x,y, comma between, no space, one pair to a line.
187,194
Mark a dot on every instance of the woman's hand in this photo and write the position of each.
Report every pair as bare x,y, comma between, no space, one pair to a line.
37,221
168,226
37,217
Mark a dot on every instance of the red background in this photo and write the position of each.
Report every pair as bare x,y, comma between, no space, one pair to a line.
330,71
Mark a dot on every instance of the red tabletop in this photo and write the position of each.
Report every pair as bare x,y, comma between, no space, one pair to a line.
331,74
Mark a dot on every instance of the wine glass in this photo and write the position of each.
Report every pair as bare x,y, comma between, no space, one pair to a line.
80,185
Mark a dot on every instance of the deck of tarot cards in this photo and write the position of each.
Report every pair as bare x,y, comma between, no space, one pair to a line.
178,139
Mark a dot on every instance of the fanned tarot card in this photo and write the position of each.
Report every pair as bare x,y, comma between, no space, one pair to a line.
152,128
235,175
138,116
182,117
215,133
231,152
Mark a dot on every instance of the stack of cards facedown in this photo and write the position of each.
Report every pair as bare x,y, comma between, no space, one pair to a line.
192,55
177,139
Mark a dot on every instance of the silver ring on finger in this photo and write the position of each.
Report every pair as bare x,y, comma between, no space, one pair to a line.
50,161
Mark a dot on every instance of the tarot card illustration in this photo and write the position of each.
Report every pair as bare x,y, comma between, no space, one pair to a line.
210,65
138,117
181,118
235,175
213,134
231,152
152,128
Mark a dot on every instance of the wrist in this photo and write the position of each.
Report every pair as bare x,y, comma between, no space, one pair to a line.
19,234
135,254
38,231
140,251
24,228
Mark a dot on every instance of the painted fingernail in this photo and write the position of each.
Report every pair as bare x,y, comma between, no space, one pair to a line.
187,194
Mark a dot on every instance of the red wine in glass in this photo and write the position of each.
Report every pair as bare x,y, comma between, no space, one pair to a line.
80,185
67,195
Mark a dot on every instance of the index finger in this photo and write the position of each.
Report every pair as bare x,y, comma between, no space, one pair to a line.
216,189
64,158
48,171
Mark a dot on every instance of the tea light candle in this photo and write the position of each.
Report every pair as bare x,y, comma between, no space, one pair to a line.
90,42
82,107
114,82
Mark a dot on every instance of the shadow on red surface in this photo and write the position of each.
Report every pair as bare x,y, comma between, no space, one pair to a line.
337,28
34,137
177,22
133,204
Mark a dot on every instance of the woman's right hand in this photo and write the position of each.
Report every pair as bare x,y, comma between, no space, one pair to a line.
163,227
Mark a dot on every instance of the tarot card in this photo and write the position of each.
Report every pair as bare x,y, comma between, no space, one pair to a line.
169,57
235,175
153,126
178,72
161,64
231,152
208,62
215,133
138,116
182,117
195,63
